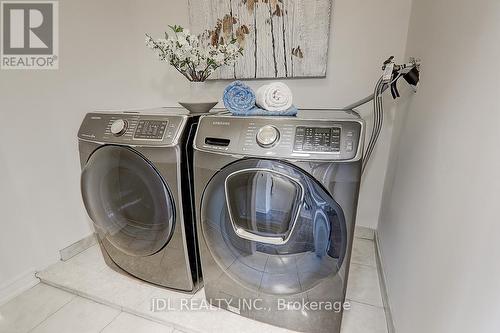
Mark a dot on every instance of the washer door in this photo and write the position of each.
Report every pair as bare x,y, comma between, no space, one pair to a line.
127,200
272,227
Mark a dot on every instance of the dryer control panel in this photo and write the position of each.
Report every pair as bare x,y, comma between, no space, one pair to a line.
132,128
151,129
283,137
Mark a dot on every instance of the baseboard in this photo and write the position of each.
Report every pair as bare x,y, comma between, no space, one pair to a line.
77,247
364,232
383,287
17,286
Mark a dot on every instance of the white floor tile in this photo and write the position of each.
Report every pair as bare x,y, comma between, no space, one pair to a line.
85,266
362,318
200,318
78,316
363,285
111,287
172,299
127,323
363,252
32,307
214,320
86,274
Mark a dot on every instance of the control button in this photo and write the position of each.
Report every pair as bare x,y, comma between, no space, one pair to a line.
118,127
349,146
267,136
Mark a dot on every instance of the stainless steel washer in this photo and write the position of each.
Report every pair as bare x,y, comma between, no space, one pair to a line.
136,186
276,204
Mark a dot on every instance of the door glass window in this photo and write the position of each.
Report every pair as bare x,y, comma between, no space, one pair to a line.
127,200
271,199
263,202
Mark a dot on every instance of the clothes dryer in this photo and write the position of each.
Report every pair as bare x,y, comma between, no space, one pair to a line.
136,185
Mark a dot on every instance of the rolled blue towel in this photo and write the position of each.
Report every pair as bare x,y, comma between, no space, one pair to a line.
239,98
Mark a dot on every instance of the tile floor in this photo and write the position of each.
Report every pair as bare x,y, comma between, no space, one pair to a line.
84,295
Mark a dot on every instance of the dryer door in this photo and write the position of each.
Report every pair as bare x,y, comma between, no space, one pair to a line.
127,200
272,227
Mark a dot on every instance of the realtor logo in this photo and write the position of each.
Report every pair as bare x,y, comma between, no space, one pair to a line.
29,33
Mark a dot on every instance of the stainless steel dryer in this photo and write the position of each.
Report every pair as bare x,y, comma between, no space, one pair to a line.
136,186
276,203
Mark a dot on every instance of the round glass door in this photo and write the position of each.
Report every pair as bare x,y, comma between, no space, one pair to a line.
272,227
127,200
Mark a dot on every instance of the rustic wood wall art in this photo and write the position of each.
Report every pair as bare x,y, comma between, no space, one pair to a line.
281,38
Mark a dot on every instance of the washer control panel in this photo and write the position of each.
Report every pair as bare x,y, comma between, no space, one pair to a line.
317,139
283,137
132,128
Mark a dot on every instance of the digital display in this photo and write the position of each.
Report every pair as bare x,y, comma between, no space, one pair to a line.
322,130
150,129
318,139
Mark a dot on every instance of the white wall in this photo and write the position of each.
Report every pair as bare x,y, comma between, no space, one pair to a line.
104,64
439,228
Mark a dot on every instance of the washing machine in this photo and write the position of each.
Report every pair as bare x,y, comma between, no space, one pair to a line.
136,185
276,203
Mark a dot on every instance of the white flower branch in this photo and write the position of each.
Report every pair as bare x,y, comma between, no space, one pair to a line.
193,56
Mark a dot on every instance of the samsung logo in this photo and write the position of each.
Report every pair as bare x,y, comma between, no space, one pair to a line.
221,123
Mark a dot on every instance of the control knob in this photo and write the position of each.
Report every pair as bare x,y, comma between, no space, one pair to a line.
267,136
119,127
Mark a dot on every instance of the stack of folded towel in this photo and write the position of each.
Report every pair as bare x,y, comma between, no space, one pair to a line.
274,99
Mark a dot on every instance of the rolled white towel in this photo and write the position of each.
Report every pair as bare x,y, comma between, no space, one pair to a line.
274,97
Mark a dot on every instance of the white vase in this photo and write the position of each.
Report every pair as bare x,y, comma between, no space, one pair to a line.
198,100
